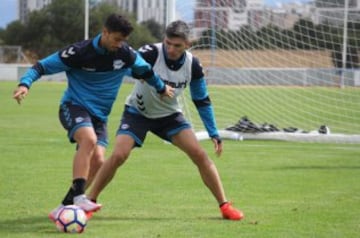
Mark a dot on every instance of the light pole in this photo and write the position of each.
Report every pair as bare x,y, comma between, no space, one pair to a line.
345,42
86,20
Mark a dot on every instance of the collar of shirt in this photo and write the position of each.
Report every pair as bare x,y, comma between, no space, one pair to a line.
96,44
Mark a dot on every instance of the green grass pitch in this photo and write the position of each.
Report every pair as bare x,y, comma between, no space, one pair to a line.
285,189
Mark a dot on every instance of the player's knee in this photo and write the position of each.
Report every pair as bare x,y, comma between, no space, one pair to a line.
97,159
198,153
119,157
199,157
89,143
206,162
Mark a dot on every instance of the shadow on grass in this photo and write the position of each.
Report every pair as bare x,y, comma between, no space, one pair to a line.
30,224
42,225
165,220
151,219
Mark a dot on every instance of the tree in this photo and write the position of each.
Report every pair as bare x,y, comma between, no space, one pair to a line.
13,33
352,59
48,29
98,15
305,34
61,23
2,33
66,18
156,29
141,34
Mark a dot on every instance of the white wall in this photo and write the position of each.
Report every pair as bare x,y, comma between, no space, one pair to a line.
12,72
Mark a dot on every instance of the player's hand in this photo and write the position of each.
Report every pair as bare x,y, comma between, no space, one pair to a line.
20,93
169,92
218,145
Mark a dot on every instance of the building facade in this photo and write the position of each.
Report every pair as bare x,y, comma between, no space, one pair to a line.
286,15
227,14
27,6
145,10
333,11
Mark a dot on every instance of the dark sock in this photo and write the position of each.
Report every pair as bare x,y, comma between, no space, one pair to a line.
222,204
77,188
69,197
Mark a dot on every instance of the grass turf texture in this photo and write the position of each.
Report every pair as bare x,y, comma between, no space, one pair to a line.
285,189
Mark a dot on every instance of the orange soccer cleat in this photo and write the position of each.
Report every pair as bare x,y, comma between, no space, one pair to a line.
231,213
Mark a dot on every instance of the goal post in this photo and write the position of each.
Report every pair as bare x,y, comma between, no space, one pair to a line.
12,54
291,66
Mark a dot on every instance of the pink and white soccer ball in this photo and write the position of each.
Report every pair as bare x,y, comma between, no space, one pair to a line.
71,219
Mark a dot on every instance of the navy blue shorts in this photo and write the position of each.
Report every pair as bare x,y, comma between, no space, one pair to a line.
72,117
137,126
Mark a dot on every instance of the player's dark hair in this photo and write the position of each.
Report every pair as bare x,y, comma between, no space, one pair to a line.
178,29
118,23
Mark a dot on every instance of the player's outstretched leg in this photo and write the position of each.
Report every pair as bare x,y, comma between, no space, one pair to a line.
187,142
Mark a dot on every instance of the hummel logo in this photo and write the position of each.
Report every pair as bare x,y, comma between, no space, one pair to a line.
118,64
66,53
140,102
145,48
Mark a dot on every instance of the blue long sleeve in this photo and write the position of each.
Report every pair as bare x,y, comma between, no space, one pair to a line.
49,65
203,105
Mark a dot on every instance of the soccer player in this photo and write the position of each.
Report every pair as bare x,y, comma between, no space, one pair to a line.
146,111
95,69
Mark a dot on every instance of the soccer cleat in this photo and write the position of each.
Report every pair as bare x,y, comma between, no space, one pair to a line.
54,213
87,205
89,215
231,213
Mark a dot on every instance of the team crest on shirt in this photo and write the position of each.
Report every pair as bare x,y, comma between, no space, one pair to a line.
79,119
125,126
118,64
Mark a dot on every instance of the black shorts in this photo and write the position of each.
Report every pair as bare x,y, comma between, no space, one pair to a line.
72,117
137,126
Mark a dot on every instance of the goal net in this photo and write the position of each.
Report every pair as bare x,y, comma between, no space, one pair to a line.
292,66
12,54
